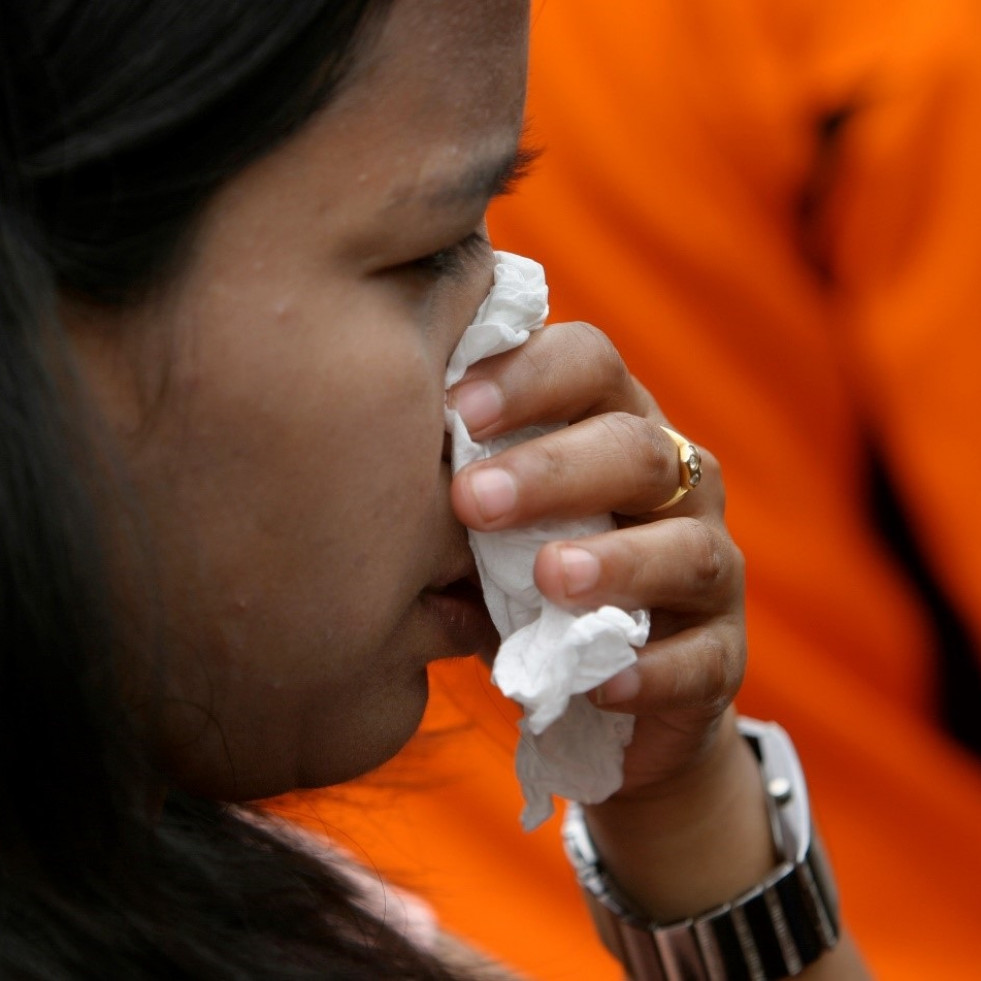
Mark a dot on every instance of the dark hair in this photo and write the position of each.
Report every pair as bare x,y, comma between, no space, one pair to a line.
118,119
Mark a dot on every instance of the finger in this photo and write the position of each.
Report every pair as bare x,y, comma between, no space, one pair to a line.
616,462
681,565
692,675
563,373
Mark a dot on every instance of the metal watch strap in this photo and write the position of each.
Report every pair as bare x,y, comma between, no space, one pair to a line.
771,931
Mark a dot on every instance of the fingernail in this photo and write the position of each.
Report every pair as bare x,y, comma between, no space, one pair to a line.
494,491
480,403
580,569
620,688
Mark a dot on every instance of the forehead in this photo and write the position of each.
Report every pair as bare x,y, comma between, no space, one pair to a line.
427,40
441,85
412,144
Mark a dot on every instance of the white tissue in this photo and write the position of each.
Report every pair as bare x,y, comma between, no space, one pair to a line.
549,656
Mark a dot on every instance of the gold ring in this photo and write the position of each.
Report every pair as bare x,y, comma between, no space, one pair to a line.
689,468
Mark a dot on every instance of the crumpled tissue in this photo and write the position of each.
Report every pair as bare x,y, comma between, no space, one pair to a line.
549,656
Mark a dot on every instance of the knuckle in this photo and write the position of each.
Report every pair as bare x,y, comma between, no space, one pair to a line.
629,430
710,463
738,562
538,366
723,671
650,470
712,473
630,433
550,465
708,555
597,350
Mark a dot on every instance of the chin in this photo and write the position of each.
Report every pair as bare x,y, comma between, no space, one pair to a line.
346,741
382,729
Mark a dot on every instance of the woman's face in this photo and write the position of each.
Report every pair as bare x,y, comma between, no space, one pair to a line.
280,408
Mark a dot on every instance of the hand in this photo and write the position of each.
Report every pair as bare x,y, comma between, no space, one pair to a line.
679,563
689,829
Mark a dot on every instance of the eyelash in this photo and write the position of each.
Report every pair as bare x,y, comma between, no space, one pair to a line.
451,260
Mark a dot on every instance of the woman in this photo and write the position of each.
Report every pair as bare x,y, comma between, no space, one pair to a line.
238,248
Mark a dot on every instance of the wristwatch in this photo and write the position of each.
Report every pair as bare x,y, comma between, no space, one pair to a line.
773,930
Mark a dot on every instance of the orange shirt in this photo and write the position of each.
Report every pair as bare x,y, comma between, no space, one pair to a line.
774,208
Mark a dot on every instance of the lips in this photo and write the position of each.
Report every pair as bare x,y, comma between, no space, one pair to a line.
459,609
465,589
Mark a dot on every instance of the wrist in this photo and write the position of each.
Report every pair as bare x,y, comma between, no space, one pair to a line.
694,840
774,928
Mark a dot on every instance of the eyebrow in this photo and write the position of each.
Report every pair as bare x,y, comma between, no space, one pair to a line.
485,180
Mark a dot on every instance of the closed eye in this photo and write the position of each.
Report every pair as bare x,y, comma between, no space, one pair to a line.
452,260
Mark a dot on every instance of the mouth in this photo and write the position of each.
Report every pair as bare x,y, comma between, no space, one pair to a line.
466,590
458,608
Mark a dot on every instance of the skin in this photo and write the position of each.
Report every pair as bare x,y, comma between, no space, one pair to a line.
278,407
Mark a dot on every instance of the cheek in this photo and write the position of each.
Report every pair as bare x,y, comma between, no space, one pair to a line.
386,472
295,503
299,468
296,519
